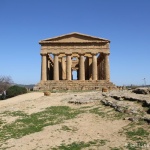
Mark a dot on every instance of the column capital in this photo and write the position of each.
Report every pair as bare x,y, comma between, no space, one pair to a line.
106,54
68,54
43,54
93,53
56,54
81,54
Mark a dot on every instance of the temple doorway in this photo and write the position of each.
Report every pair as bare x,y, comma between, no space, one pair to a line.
74,74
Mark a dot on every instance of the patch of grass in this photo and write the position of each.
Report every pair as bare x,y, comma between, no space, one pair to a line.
85,107
109,114
14,113
1,121
80,145
141,122
37,121
98,112
72,146
118,115
142,143
137,134
116,148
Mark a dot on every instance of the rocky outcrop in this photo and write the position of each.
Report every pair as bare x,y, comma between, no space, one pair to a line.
126,95
120,106
135,106
125,102
141,91
82,99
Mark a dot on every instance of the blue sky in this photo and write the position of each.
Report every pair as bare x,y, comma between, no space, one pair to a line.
126,23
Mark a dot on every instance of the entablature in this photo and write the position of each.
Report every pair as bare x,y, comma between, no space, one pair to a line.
78,51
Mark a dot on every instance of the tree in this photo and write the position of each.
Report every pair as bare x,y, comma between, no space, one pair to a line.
15,90
5,83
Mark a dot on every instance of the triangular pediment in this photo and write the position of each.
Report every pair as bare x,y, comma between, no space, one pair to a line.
73,38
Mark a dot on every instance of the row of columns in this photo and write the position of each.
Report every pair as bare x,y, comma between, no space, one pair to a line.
68,67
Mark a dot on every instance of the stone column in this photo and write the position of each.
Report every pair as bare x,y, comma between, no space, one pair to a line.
81,68
48,68
86,68
98,71
63,65
44,67
94,67
68,68
106,67
56,67
60,69
90,68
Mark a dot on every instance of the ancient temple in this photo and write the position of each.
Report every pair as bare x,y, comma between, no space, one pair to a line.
78,54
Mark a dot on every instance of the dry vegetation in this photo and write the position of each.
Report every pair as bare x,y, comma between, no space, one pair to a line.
5,83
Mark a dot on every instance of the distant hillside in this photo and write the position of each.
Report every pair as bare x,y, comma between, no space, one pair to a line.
30,86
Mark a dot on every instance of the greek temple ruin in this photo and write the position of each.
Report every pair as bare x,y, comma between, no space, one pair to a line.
74,61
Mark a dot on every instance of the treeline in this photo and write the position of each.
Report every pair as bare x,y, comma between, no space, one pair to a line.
8,90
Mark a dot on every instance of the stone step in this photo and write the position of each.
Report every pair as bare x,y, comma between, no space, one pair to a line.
74,85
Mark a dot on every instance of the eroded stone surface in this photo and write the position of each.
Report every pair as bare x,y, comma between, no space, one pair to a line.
141,91
128,102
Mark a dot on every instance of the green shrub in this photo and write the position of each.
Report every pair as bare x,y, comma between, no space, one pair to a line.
2,97
15,90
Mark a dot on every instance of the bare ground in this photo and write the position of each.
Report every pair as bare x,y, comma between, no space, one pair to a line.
85,127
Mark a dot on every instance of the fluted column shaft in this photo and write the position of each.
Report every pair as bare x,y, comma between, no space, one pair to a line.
94,67
63,64
44,67
48,68
56,68
106,67
81,68
90,68
68,67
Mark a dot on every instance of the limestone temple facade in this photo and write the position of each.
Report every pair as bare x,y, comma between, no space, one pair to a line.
72,54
